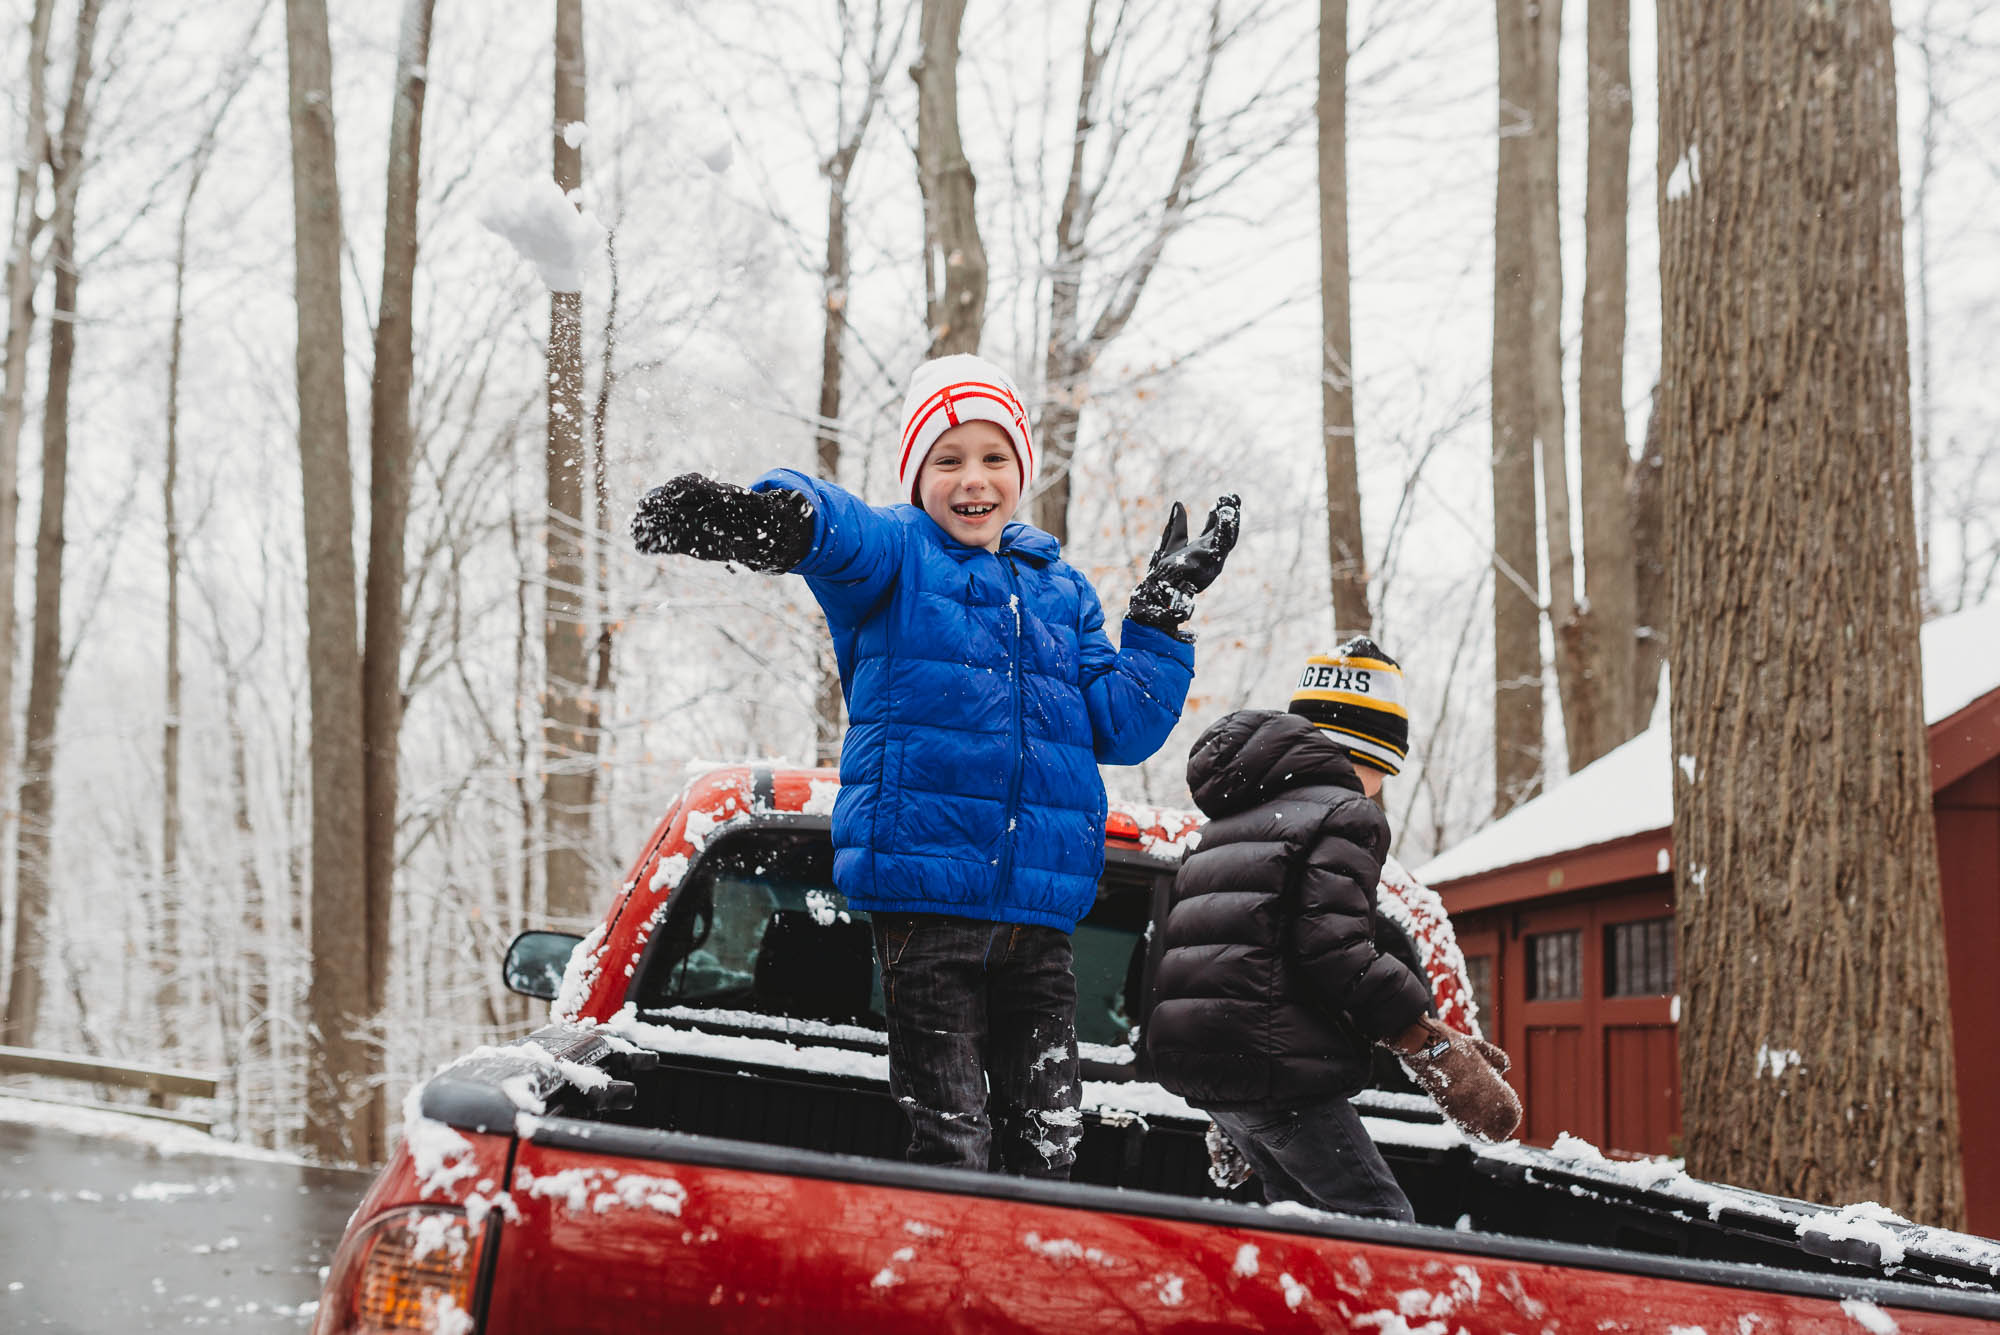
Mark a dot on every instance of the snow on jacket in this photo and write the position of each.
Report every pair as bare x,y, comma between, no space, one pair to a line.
1271,989
982,694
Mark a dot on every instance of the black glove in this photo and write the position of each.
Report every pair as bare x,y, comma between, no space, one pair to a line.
719,521
1180,569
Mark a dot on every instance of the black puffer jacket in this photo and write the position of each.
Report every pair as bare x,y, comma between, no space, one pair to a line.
1271,988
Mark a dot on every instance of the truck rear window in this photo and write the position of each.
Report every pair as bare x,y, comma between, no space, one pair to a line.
757,928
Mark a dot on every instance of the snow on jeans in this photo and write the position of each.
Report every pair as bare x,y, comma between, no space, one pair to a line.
971,1003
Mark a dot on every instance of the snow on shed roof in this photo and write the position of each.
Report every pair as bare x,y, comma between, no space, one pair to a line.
1630,790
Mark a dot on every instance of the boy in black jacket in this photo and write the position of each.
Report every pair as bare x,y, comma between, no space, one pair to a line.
1271,988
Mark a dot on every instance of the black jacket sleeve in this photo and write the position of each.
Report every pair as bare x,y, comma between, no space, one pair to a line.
1333,933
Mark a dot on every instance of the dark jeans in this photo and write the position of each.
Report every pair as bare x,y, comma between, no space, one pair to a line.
1320,1156
982,1041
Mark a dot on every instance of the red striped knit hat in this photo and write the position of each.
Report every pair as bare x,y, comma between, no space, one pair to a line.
948,391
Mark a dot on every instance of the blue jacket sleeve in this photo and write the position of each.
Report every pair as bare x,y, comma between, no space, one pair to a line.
857,548
1134,694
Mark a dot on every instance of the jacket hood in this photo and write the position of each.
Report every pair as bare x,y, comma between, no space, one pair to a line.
1255,754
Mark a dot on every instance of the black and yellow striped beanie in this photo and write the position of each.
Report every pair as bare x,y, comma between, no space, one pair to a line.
1355,694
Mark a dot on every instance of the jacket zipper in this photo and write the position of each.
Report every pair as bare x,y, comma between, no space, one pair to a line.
1006,871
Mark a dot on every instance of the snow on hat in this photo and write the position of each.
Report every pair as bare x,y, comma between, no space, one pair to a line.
948,391
1356,694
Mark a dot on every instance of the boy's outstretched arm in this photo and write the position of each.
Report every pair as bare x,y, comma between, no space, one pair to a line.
853,550
719,521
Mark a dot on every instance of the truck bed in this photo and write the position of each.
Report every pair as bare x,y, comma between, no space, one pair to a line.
787,1198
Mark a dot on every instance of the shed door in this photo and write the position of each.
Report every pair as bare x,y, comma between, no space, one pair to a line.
1587,1012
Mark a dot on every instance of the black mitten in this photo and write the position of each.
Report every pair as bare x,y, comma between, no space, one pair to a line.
719,521
1180,568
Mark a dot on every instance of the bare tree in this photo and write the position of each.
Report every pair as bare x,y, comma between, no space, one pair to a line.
389,449
165,945
954,257
1598,711
850,132
1089,244
569,713
1517,639
23,276
1347,558
1816,1052
342,1063
45,671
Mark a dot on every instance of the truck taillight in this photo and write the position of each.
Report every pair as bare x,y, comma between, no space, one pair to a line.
412,1269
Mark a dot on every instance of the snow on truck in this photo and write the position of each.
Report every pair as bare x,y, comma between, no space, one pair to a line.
702,1137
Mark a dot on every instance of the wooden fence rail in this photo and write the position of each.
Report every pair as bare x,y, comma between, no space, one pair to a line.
158,1081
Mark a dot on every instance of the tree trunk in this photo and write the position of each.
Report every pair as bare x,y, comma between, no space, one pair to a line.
343,1059
45,671
1347,559
1517,635
1542,20
1645,487
1607,625
389,451
22,278
600,537
954,257
569,723
1816,1038
829,722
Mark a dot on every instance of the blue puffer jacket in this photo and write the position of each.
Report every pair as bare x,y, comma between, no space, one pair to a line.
982,694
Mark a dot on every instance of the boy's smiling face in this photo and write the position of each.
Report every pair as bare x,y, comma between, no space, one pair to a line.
970,483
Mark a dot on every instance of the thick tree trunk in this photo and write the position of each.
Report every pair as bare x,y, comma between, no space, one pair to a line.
389,452
37,797
954,257
1517,636
22,277
1816,1038
569,716
1347,559
343,1057
36,808
1608,624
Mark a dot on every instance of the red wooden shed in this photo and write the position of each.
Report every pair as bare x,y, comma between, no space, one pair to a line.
1564,909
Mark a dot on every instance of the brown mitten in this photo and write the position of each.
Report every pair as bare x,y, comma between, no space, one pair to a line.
1495,1056
1460,1077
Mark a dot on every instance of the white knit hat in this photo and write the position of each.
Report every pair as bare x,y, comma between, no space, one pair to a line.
948,391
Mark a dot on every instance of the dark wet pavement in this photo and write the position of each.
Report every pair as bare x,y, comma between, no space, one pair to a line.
100,1236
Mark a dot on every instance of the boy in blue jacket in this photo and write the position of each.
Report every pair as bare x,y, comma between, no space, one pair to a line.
982,694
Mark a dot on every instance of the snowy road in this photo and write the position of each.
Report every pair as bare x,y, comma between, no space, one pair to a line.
101,1234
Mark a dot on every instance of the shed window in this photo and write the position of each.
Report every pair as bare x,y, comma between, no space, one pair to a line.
1555,966
1639,958
1479,972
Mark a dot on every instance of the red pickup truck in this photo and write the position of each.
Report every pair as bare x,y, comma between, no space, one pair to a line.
702,1137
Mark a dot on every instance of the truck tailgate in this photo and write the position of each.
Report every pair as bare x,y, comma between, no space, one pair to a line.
617,1230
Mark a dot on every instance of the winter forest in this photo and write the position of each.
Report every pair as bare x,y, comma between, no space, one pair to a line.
342,338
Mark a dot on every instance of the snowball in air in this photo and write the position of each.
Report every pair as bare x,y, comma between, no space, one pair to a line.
532,215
